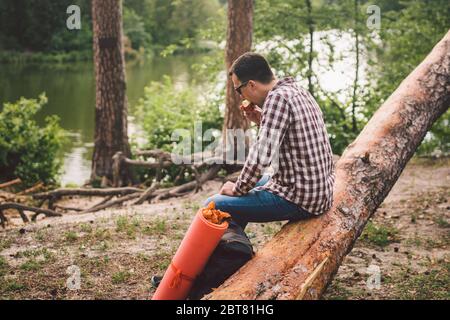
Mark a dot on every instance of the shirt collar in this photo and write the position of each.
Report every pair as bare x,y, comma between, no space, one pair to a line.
284,81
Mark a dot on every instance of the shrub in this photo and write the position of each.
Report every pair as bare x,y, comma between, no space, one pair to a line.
164,109
27,150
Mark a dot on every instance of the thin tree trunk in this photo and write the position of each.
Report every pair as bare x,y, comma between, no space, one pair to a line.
355,84
239,41
111,102
311,47
303,257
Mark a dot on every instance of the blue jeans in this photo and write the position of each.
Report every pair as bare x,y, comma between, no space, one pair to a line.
258,206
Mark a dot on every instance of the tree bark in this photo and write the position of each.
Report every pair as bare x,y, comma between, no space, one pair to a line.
303,257
357,66
311,46
239,41
111,103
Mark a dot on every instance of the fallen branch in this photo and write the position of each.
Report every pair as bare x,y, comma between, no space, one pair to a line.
58,193
34,188
63,208
147,193
10,183
21,208
183,189
112,203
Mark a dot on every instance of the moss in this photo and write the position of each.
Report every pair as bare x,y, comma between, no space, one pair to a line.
379,235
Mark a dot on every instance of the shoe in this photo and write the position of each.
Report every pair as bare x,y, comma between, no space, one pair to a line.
155,280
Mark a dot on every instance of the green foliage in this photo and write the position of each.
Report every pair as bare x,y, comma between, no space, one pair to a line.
379,235
292,49
28,151
39,26
407,36
409,30
164,109
134,28
172,22
120,277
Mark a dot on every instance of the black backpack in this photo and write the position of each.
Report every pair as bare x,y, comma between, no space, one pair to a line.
232,252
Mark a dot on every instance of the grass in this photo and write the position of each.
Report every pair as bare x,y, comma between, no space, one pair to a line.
159,226
427,242
379,235
5,244
120,277
432,284
128,226
102,234
3,266
31,265
70,236
86,228
339,292
41,235
162,260
442,222
11,285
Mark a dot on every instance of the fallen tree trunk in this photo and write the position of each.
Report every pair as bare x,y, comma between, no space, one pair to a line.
303,257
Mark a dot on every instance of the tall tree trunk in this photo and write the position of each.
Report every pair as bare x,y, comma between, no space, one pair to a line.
239,41
355,83
110,101
303,257
311,46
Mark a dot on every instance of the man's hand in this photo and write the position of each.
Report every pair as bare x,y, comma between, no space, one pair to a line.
227,189
252,112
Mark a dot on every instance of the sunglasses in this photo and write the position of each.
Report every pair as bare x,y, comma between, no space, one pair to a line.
238,89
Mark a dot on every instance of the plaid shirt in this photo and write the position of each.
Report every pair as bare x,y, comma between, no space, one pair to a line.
293,140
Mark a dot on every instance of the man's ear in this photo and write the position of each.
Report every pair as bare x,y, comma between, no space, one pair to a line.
252,84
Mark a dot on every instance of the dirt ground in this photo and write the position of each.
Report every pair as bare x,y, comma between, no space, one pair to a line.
116,251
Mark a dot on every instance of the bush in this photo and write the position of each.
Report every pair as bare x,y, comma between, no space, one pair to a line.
28,151
164,109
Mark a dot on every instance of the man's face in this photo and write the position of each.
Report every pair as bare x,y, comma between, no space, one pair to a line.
248,91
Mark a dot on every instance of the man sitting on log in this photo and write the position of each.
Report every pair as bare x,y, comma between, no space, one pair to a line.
292,140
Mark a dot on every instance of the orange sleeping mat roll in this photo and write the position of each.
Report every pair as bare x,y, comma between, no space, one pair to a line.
198,244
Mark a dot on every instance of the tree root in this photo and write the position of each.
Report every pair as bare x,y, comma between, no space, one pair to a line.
21,208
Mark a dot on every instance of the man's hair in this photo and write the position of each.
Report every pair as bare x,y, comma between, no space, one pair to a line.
252,66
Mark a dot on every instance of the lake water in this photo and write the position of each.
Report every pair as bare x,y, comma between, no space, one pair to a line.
70,89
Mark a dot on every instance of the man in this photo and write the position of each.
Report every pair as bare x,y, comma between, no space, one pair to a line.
292,138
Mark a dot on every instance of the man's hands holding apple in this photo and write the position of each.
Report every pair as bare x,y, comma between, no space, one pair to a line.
252,112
